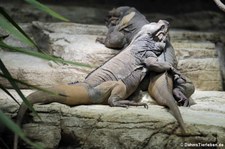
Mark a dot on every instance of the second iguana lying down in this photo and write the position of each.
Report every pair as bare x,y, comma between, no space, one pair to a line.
114,81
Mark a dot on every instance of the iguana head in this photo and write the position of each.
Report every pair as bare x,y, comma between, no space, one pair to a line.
115,14
153,36
156,30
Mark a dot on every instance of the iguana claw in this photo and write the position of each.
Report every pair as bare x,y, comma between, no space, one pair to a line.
100,40
145,105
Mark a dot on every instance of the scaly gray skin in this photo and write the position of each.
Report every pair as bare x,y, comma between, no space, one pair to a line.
115,80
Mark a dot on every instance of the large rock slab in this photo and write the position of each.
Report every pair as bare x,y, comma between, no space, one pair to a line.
39,72
98,126
196,54
198,59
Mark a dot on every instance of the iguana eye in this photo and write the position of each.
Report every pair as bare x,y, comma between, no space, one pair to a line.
149,34
162,27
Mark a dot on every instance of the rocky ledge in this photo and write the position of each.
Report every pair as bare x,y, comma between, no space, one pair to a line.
99,126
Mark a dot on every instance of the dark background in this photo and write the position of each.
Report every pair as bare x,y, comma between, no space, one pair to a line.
196,15
146,6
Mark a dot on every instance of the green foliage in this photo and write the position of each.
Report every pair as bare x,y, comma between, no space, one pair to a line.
11,27
40,55
15,86
16,129
46,9
8,93
7,23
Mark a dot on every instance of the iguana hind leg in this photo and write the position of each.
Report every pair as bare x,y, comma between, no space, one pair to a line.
118,94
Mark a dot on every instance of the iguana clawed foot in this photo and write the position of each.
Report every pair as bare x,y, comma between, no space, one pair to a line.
125,103
181,99
100,40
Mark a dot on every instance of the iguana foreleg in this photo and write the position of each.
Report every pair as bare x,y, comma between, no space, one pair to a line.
114,39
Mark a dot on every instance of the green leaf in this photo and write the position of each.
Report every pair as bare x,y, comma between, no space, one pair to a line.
15,128
14,85
7,92
7,23
40,55
46,9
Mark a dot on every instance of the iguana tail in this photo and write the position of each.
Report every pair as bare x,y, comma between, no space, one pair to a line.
66,94
160,89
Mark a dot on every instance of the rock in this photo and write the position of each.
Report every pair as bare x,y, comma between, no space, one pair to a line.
75,42
38,72
198,58
205,73
98,126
